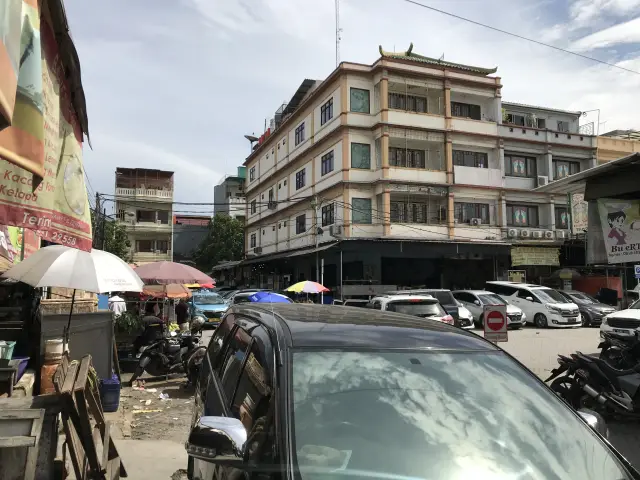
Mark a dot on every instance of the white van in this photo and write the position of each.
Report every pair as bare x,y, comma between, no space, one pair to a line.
543,306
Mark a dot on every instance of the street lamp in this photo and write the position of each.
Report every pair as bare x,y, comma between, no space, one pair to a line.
252,139
584,114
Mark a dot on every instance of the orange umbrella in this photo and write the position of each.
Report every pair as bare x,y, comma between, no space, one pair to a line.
172,290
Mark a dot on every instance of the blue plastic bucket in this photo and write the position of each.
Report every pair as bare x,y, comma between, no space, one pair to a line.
110,394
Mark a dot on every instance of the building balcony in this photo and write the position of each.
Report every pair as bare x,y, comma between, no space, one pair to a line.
157,256
564,139
491,177
145,193
482,127
147,227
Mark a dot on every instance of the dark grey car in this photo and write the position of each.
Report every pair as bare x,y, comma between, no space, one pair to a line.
591,310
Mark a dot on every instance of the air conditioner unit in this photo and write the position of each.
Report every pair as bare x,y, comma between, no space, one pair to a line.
561,234
159,222
257,250
548,234
542,180
512,233
525,233
476,222
537,234
335,230
272,205
158,251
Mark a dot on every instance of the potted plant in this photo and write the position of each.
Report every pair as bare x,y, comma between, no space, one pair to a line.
127,327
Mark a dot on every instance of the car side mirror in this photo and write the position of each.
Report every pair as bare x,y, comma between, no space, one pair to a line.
477,302
529,298
219,440
595,421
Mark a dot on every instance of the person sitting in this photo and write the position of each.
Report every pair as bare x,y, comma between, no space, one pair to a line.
153,328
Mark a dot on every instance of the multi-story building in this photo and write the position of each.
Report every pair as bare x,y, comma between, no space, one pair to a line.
410,171
229,195
188,233
617,144
144,203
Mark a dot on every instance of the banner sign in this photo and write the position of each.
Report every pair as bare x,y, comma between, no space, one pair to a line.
620,223
10,32
579,214
44,139
533,256
17,243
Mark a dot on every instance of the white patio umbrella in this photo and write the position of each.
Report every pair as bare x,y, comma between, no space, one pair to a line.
59,266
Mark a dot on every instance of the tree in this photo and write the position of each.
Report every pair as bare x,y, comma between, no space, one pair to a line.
224,241
115,239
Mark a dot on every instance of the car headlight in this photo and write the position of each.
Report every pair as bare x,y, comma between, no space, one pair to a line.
524,316
553,308
605,319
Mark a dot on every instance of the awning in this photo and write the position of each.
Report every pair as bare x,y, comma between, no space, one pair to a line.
288,254
226,265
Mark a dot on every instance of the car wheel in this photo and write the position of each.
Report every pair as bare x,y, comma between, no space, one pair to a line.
586,321
540,320
481,321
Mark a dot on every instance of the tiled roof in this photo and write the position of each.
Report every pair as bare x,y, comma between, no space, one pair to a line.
409,55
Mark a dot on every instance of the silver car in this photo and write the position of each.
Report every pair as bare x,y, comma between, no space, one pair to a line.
475,300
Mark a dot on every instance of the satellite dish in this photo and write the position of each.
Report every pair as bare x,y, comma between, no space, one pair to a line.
251,138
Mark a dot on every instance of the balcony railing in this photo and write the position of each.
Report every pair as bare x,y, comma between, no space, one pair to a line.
144,192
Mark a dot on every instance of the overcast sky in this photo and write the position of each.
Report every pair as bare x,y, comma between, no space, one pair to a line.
175,84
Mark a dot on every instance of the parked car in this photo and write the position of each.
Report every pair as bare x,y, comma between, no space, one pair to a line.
462,319
475,300
317,391
352,302
230,299
543,306
591,310
208,305
424,306
624,322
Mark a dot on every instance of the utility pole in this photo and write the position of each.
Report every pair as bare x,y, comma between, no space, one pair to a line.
104,226
96,221
316,203
338,31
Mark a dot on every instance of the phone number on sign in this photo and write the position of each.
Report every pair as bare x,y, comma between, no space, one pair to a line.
58,237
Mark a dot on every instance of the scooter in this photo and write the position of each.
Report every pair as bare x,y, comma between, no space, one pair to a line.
620,351
592,383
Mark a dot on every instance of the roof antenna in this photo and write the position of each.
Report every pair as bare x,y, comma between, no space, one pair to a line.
338,32
441,58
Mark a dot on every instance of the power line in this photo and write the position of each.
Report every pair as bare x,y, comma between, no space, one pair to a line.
586,57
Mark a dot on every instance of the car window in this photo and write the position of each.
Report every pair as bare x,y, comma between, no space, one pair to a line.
217,341
501,289
464,297
450,415
492,299
376,305
234,356
416,307
526,294
444,297
549,295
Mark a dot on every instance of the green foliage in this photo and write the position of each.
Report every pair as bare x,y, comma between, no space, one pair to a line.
115,238
128,322
224,241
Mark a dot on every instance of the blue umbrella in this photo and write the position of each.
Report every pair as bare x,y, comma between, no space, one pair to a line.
269,297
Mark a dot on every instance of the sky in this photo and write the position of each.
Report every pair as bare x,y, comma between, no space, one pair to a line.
176,84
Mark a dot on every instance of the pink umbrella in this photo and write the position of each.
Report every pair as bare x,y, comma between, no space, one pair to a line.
163,273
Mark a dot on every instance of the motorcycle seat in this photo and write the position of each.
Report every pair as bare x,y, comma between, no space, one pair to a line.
608,370
626,339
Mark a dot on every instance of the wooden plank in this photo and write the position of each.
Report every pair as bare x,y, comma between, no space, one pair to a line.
84,429
114,467
106,440
116,362
83,373
70,379
32,456
17,441
71,445
20,414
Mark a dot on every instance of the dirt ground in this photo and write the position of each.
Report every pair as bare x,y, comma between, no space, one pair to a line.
144,415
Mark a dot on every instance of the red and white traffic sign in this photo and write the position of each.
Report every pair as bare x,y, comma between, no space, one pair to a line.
495,323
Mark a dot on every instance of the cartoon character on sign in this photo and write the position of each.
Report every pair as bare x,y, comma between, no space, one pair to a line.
616,221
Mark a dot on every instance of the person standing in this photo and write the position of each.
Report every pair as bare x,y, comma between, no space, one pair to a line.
182,312
117,305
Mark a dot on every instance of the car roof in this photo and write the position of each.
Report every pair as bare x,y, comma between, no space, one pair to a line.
405,297
330,326
517,284
475,292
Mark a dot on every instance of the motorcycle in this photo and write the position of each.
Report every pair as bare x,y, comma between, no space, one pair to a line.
177,353
592,383
620,351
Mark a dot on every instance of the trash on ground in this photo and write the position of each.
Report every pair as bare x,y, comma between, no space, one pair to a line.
163,396
147,411
152,390
148,402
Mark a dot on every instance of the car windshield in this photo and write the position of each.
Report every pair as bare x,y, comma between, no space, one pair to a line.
635,305
208,299
417,307
549,295
492,299
580,297
444,297
435,416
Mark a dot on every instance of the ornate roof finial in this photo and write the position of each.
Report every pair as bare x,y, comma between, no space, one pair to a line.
406,53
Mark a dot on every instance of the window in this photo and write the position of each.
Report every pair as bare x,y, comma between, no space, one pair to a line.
144,246
564,168
465,110
328,215
464,212
326,163
361,210
411,103
359,100
522,215
406,157
233,359
301,224
519,166
300,179
465,158
542,123
162,245
326,112
515,119
252,174
431,209
299,134
252,243
360,155
563,126
562,218
253,207
270,195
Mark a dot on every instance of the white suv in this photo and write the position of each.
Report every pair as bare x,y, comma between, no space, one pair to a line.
543,306
424,306
624,322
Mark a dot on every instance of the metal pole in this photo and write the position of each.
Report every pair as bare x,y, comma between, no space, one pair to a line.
322,280
341,289
104,226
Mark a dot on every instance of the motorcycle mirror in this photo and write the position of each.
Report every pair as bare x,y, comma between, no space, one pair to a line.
595,421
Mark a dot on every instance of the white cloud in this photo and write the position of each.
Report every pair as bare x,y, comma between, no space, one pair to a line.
585,12
622,33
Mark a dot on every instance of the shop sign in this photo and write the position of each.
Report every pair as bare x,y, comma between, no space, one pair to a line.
435,191
535,256
579,213
620,223
41,173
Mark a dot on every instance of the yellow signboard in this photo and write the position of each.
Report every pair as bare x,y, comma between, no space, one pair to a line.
534,256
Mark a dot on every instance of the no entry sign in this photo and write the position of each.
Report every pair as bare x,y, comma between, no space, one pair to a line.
495,323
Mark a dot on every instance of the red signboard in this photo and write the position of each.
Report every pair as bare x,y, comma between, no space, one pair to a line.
495,323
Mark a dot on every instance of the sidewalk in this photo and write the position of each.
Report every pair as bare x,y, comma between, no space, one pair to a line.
157,459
